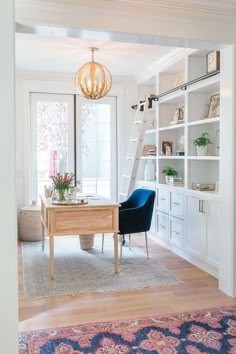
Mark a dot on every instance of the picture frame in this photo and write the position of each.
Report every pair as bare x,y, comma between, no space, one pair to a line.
214,106
167,147
179,79
178,116
213,61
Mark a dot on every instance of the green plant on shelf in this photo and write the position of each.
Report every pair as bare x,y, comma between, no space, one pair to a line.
202,140
170,171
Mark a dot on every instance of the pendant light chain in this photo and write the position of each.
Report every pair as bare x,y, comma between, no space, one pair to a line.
92,54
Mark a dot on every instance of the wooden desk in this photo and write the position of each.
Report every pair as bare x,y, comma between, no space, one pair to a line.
100,215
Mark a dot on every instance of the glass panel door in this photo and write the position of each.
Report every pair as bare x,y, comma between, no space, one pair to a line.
96,132
52,138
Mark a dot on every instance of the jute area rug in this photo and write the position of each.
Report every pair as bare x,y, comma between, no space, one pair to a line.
80,272
209,331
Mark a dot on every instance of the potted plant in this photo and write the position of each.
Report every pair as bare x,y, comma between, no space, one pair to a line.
170,173
201,143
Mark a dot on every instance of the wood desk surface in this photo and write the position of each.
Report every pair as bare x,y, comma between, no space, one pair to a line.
93,201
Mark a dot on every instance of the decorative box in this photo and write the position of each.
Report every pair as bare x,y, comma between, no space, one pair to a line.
203,186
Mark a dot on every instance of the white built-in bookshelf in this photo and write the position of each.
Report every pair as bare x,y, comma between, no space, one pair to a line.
173,222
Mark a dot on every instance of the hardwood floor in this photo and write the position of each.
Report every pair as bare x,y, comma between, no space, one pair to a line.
199,291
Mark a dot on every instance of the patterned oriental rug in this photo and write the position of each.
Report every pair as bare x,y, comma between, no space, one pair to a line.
81,272
209,331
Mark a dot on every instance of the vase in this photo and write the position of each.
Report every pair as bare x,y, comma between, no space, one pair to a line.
61,194
149,171
169,179
201,150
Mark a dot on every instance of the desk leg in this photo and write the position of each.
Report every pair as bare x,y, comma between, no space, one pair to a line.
43,236
116,252
51,247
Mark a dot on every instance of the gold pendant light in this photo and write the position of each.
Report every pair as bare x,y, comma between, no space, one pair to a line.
93,80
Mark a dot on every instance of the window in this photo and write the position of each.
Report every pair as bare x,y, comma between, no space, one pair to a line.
56,147
98,146
52,138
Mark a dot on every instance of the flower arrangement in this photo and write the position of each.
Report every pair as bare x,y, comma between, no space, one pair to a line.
62,183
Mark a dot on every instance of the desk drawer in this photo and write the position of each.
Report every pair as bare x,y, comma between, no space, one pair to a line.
162,226
177,204
176,232
82,222
163,200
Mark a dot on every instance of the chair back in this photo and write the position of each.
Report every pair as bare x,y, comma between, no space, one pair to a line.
136,213
141,197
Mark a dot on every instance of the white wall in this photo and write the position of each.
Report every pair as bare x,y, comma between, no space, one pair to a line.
123,88
8,239
227,246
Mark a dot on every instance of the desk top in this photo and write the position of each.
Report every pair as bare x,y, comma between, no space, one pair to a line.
94,201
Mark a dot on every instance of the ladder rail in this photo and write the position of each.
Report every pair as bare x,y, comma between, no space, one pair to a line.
134,150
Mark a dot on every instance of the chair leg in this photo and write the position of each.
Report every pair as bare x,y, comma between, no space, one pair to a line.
146,244
129,241
121,246
102,242
123,241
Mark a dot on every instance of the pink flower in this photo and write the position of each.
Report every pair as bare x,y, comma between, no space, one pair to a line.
109,346
66,349
193,350
62,182
232,327
208,338
159,342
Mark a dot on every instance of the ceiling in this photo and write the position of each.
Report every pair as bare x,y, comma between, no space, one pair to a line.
66,55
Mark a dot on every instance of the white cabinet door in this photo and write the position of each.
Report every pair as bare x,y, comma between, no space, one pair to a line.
195,227
213,232
163,226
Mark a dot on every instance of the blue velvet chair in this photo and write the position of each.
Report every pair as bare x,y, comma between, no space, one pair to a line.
135,214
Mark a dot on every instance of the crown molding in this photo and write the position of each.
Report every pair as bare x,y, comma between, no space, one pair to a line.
163,63
195,7
217,7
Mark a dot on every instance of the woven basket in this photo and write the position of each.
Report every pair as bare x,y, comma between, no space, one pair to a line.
29,224
86,241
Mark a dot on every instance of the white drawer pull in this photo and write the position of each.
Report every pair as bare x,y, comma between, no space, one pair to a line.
163,226
175,203
176,232
162,198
